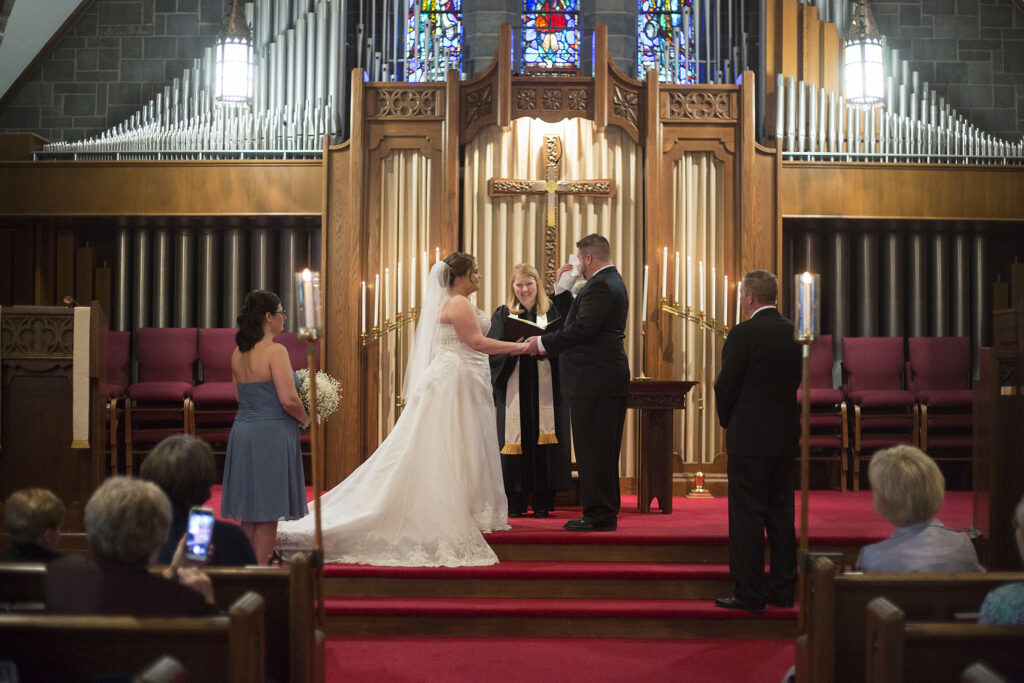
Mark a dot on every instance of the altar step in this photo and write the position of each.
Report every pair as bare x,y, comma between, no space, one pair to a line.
533,580
572,618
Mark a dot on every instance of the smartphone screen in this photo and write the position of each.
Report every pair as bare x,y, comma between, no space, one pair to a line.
200,533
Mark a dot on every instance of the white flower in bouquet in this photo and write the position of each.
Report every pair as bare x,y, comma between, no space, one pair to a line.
328,392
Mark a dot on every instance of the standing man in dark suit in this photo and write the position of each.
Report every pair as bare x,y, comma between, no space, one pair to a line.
594,374
755,394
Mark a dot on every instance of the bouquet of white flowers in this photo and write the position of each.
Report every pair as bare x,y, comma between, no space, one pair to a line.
328,392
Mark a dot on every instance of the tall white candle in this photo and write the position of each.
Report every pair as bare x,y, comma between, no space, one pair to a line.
643,301
362,326
437,254
675,296
376,300
739,300
387,294
700,283
423,277
307,299
713,288
664,273
398,286
725,300
412,285
689,282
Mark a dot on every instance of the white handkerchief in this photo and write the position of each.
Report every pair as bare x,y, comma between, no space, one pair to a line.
569,277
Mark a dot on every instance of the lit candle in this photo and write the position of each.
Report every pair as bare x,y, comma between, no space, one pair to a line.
805,309
700,283
387,294
725,301
376,301
713,288
675,298
664,273
739,301
412,285
437,254
398,286
307,299
689,282
643,301
362,326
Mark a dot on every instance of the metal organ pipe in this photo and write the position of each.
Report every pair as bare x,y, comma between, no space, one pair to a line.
262,259
892,284
209,267
938,294
163,284
235,275
842,276
917,282
184,277
121,307
142,266
293,255
867,281
960,284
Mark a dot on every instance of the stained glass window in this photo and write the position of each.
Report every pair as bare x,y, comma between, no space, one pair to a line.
550,35
665,40
433,42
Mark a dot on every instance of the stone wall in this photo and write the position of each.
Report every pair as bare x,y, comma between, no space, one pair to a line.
115,59
970,51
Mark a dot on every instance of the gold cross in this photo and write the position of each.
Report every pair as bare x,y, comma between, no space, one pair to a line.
552,187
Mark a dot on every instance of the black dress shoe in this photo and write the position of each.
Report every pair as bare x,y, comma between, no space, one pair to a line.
732,602
585,525
541,513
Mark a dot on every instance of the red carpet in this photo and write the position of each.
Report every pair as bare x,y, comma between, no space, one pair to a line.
568,660
834,518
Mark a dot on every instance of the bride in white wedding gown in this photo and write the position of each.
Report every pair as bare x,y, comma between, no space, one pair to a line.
425,497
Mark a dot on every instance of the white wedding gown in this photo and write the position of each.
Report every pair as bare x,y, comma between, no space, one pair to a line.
426,495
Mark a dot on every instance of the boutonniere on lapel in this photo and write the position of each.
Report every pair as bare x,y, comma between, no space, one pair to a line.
578,287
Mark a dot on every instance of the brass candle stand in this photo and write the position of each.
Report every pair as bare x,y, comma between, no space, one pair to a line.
396,325
704,325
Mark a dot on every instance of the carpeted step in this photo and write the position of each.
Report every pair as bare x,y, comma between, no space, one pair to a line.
581,580
553,617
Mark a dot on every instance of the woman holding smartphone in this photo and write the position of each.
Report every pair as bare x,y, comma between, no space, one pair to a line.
263,477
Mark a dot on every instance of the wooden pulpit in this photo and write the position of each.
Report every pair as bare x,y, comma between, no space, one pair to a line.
656,400
51,406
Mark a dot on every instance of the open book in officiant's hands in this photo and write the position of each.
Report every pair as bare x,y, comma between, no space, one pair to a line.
517,328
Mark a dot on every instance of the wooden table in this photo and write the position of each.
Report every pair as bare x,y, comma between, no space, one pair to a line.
656,399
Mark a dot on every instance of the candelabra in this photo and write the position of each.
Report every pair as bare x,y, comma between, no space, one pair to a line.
704,325
396,325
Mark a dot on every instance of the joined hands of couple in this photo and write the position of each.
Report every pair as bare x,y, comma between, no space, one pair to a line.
528,347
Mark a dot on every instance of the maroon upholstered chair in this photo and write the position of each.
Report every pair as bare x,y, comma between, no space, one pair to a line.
214,401
883,410
940,371
829,426
160,401
114,387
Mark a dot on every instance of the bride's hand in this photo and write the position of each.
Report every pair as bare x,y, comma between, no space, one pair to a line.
521,348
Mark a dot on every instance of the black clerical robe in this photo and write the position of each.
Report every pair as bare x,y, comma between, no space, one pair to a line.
532,477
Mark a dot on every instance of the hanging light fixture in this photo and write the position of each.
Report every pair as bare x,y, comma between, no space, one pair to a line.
863,70
235,62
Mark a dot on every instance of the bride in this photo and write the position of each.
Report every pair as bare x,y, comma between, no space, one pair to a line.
426,495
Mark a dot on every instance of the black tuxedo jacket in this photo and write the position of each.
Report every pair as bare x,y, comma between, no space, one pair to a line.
755,392
592,361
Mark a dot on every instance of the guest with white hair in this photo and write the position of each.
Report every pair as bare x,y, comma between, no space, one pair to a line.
1005,605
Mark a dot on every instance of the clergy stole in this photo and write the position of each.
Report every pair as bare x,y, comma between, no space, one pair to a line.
545,398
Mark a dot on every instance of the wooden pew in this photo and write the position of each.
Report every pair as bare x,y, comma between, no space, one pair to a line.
834,650
21,587
219,649
901,650
295,648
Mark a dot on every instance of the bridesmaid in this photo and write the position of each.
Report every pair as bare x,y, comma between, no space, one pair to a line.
263,477
533,425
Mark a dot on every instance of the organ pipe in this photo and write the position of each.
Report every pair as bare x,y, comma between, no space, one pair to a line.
867,283
162,275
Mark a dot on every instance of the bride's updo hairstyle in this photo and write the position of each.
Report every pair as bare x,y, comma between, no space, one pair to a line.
250,321
459,264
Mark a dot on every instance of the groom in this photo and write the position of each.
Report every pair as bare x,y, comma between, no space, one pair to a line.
594,374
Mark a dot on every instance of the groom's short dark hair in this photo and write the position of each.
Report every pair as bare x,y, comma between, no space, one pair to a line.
597,246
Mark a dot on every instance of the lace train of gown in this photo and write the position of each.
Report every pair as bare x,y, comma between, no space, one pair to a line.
432,487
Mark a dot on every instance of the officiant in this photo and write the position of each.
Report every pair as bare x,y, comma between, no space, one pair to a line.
533,425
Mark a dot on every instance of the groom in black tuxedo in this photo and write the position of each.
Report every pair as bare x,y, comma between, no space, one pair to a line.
594,378
755,394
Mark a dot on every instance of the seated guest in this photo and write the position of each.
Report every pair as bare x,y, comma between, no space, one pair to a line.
1005,605
909,489
126,522
33,519
183,467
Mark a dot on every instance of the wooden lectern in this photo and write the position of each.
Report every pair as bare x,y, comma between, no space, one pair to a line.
39,443
656,400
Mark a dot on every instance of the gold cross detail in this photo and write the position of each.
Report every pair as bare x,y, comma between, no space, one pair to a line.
552,187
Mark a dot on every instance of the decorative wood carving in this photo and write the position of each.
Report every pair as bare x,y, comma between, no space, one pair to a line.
479,103
37,336
579,100
702,105
407,103
553,99
626,105
526,98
